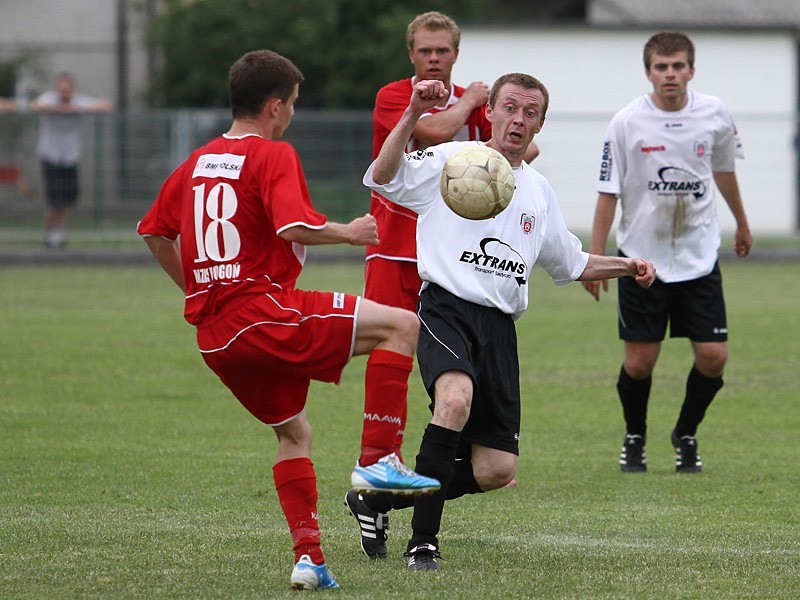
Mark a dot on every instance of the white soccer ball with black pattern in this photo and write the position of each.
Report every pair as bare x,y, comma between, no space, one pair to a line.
477,182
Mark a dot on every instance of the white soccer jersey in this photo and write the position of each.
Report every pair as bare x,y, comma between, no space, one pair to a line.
487,262
661,165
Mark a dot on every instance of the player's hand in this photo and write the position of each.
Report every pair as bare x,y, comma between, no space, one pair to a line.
476,94
427,94
363,231
742,242
644,272
593,287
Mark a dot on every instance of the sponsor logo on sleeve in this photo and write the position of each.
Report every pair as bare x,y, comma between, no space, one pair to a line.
606,162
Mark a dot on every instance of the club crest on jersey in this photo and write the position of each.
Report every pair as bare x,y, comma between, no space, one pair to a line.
700,149
527,222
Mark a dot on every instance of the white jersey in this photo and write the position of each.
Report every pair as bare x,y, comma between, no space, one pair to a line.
486,262
661,165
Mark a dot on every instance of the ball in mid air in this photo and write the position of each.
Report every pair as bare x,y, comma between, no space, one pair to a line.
477,182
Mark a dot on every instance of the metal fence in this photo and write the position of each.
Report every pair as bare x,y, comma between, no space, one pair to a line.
127,156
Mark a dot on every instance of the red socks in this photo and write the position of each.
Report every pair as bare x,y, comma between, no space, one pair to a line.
386,384
296,484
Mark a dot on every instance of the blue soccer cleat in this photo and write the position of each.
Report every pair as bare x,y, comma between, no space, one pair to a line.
308,576
389,474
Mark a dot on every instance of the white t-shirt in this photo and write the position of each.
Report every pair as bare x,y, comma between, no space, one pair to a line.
60,133
487,262
661,165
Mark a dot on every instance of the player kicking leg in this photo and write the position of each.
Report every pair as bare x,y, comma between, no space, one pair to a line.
389,335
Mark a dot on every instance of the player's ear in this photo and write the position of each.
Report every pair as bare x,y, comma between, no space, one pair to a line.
272,106
489,112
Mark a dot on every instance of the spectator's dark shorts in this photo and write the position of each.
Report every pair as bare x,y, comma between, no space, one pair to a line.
60,184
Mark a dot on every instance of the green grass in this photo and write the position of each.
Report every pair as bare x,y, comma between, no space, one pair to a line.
128,471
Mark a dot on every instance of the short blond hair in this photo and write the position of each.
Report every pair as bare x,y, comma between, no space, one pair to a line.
433,21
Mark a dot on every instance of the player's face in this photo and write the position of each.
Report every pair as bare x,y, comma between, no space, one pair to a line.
285,112
669,76
516,117
433,55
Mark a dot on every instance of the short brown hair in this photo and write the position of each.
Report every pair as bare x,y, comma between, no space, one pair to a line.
433,21
667,43
258,76
528,82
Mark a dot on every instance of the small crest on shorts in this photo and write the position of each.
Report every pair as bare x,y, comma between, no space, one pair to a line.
527,222
338,300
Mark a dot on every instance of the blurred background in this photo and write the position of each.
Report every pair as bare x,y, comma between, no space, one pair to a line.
163,64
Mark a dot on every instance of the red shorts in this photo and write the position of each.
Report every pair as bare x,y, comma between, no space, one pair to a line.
392,282
268,348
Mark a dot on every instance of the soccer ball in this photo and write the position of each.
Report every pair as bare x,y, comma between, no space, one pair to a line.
477,182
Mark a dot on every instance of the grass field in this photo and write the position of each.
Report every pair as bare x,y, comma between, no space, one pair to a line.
128,471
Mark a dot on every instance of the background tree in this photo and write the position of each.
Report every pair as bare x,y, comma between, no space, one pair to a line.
347,49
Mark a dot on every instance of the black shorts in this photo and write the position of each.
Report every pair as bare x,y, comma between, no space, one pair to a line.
60,184
457,335
695,309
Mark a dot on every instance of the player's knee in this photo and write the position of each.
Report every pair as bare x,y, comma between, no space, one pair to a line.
495,475
407,327
639,368
451,410
713,364
295,434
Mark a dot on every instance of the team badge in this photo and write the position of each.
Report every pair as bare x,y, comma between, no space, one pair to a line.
527,222
700,149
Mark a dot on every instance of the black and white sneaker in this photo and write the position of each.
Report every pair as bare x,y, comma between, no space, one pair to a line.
372,525
424,557
632,457
687,459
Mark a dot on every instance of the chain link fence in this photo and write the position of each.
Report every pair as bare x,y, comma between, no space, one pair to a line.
127,156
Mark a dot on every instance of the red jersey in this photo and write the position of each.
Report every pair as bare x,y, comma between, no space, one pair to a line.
228,202
396,224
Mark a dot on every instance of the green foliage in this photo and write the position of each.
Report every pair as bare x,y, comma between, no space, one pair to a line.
128,471
347,49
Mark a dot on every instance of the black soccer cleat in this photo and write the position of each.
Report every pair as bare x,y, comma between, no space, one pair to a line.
424,557
687,459
372,525
632,457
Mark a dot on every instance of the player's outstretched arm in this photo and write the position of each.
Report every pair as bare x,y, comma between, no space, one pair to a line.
362,231
607,267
